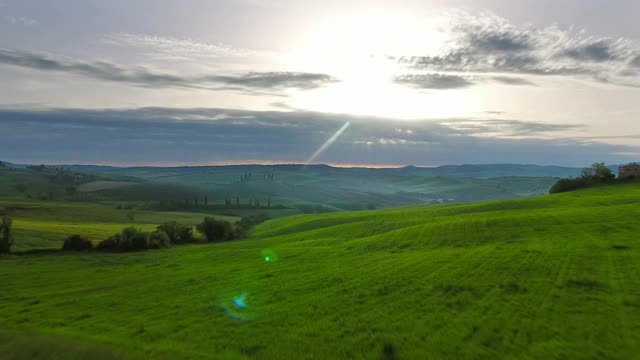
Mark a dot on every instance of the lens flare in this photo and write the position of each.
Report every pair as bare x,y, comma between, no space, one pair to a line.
237,308
239,301
269,255
328,143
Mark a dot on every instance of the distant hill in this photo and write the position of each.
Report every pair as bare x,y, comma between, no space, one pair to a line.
467,170
295,187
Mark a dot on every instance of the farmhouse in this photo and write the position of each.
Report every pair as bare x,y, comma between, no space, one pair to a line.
629,171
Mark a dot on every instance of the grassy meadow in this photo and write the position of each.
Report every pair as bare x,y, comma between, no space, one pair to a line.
552,277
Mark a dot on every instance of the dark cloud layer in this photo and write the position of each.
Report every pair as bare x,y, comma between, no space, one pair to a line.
448,81
492,45
598,51
141,76
434,81
509,80
197,136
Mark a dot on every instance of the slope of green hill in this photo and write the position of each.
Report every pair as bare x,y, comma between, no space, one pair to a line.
554,277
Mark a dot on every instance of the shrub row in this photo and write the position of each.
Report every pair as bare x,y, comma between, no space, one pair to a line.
167,234
597,174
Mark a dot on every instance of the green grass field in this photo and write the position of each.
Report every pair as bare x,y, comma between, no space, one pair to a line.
553,277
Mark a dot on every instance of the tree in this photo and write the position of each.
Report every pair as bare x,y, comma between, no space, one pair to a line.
602,172
597,174
206,201
6,235
177,233
131,215
77,243
215,230
158,240
71,190
132,238
243,226
21,188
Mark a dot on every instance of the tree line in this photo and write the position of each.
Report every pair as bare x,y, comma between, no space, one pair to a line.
597,174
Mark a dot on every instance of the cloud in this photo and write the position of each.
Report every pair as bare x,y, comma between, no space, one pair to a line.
178,46
200,136
269,80
599,51
141,76
507,128
447,81
486,43
509,80
434,81
20,20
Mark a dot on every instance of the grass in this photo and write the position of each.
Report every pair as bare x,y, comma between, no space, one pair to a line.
554,277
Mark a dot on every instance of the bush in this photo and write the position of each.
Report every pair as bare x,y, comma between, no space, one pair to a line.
129,239
597,174
242,227
77,243
216,230
110,244
6,235
158,240
177,233
134,239
564,185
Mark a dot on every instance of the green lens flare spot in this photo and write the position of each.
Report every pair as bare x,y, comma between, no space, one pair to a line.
269,255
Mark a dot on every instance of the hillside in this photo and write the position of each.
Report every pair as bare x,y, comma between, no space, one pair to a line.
278,190
552,277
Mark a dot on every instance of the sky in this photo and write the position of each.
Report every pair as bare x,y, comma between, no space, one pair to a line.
349,83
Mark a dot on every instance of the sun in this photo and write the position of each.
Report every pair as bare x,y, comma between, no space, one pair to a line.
359,50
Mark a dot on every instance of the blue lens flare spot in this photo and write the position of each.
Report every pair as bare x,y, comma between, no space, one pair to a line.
240,301
237,308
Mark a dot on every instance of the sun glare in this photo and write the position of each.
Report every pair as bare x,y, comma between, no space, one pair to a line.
357,50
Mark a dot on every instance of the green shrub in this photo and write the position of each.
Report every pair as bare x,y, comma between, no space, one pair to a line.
242,227
215,230
77,243
110,244
564,185
158,240
178,233
129,239
6,235
134,239
597,174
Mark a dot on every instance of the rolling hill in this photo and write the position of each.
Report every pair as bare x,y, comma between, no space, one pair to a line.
280,190
551,277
